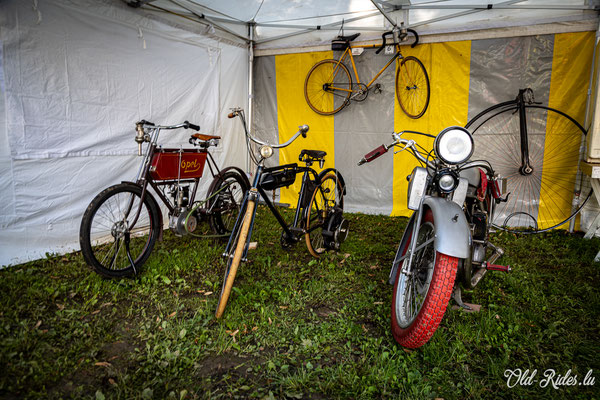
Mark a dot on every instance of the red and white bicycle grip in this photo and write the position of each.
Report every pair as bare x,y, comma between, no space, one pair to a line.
373,154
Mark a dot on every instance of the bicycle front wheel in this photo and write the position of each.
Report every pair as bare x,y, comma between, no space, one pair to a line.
539,199
327,87
325,201
239,243
412,87
110,243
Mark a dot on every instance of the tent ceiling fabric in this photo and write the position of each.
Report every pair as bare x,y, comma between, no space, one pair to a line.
281,23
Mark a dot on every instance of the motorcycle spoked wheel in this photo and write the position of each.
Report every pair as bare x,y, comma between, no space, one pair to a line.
420,299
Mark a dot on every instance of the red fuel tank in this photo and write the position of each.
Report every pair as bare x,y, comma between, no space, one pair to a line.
170,164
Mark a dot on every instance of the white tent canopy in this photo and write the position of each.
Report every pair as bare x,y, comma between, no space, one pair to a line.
275,24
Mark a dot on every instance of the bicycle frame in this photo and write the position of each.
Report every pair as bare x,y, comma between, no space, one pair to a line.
348,53
256,190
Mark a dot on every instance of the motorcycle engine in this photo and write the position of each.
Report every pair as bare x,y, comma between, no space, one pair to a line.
335,230
177,222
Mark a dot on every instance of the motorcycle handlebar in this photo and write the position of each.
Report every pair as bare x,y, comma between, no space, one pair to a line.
188,124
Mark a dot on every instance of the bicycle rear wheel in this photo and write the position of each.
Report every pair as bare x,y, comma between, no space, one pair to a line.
328,87
542,199
412,87
325,201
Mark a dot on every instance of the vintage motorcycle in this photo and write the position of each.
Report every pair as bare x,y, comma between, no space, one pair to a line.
446,243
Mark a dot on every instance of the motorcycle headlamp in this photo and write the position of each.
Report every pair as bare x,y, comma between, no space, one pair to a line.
446,181
266,151
454,145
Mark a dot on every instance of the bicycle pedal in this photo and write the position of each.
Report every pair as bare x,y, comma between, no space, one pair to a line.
496,267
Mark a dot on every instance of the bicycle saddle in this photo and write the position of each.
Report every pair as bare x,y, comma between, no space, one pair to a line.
202,136
349,38
312,154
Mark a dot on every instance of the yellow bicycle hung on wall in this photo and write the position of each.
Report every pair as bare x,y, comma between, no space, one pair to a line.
328,87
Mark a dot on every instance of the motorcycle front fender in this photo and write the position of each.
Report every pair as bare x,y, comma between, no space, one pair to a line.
452,233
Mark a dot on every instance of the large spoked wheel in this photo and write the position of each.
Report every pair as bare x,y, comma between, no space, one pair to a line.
326,202
328,87
239,243
225,199
109,240
421,295
541,197
412,87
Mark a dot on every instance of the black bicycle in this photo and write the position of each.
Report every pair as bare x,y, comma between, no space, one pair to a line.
537,148
319,212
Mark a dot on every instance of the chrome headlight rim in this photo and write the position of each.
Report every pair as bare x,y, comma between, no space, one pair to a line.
266,151
440,142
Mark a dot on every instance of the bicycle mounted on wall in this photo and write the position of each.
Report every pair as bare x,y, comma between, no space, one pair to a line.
122,223
319,211
328,86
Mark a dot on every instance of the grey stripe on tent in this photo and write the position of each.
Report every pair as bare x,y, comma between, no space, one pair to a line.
361,127
499,68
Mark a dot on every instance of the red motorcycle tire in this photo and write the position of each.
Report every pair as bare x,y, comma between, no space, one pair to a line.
428,319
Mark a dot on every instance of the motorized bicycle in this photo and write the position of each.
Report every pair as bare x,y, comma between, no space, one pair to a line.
122,223
445,245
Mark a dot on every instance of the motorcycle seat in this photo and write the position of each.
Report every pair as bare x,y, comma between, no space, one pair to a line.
202,136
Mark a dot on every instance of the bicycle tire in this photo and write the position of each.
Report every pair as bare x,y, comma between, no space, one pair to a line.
228,191
412,87
234,258
496,132
104,226
323,74
319,209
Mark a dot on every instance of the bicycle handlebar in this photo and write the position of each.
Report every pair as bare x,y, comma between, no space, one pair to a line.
402,38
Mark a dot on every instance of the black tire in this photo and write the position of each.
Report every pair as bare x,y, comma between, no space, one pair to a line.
496,132
326,198
431,279
239,243
224,201
327,87
412,87
105,226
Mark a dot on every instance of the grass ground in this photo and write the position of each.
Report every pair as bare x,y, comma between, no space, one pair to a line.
297,327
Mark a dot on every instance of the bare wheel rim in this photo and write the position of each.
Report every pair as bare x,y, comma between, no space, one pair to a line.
327,87
413,287
111,223
543,199
412,87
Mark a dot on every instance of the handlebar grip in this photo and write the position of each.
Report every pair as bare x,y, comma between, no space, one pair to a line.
231,115
192,126
416,37
303,130
144,122
373,154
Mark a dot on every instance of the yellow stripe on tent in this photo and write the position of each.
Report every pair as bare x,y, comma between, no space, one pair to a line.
568,93
447,65
292,111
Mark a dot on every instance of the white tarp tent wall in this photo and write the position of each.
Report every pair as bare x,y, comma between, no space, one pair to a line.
75,76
